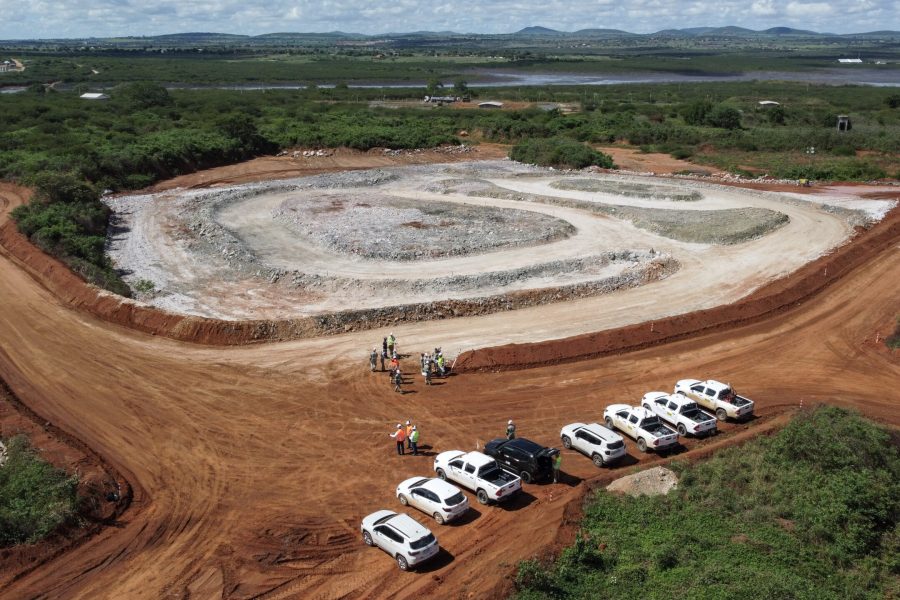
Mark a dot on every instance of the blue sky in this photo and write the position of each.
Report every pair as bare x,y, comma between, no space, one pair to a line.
101,18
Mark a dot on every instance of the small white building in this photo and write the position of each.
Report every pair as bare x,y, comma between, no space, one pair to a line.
94,96
850,61
768,103
490,104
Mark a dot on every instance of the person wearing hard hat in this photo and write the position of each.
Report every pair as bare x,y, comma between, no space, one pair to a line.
399,436
398,380
510,430
391,341
409,429
414,440
373,359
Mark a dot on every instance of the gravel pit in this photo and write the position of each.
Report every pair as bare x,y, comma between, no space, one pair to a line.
428,241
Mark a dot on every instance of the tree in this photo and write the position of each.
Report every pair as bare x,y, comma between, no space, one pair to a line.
724,117
434,86
54,187
695,113
777,115
893,101
140,95
461,87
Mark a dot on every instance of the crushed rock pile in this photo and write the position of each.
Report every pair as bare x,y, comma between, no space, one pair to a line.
657,481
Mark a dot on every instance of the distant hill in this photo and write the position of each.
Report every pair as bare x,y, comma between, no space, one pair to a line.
537,30
413,38
602,33
789,31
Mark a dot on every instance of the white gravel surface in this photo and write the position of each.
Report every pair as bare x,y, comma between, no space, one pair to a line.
239,253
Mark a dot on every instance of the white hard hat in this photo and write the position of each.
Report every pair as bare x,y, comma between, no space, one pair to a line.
399,426
510,422
407,422
414,427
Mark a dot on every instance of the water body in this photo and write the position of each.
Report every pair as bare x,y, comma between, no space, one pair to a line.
501,78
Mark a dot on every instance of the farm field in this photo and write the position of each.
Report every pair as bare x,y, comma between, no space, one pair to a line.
239,458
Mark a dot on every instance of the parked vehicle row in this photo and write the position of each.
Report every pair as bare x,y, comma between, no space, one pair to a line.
497,474
680,411
716,396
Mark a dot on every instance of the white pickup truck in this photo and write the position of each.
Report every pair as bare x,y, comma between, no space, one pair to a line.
680,411
717,397
642,425
477,472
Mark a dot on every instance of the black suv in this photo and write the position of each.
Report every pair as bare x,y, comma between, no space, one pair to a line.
528,460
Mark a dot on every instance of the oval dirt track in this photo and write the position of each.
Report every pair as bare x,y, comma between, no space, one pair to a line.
252,466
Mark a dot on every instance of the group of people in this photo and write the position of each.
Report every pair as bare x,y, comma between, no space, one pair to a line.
408,434
431,363
388,352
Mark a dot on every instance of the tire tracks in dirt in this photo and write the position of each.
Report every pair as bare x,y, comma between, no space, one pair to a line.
221,444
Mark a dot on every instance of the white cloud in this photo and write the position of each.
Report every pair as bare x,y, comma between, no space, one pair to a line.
82,18
763,8
808,9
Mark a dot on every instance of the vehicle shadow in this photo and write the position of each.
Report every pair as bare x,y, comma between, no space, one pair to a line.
626,461
440,560
673,451
566,479
469,516
517,502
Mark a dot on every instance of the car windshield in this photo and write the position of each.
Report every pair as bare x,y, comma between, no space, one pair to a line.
615,445
454,499
422,542
418,483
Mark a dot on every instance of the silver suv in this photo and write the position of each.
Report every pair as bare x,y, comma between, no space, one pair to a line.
400,536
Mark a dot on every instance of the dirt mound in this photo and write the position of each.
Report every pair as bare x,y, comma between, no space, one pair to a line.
657,481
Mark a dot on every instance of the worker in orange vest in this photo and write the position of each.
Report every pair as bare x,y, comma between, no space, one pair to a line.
409,430
400,437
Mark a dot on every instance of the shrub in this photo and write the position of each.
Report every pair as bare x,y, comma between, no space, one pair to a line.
777,115
695,113
893,340
724,117
35,497
814,507
559,152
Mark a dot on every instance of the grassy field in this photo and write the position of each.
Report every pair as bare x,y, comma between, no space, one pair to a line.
811,512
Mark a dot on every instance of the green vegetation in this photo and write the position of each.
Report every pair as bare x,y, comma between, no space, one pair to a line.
808,513
559,152
893,340
66,218
145,133
35,497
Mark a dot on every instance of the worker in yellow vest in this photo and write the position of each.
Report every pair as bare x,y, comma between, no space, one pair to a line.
414,440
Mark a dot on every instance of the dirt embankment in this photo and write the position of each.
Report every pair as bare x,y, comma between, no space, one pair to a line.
773,298
103,493
74,292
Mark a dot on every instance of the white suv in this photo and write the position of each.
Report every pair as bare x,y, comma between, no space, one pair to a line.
594,440
435,497
400,536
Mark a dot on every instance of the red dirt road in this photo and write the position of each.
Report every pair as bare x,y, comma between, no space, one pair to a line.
251,466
